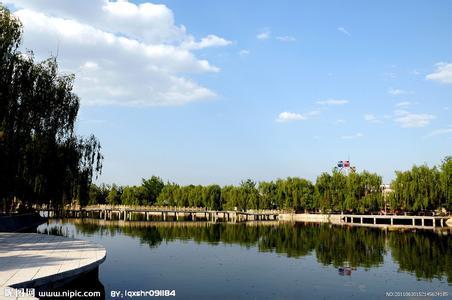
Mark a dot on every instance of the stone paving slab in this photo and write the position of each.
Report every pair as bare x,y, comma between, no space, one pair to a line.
33,260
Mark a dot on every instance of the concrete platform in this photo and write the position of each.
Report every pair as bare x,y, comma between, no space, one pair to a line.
30,260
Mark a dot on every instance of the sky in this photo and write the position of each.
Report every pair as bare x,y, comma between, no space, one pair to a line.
201,92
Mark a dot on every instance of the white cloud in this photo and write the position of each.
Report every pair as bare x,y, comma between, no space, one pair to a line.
371,118
312,113
244,52
333,102
389,75
443,73
148,22
397,92
441,131
286,38
403,104
340,121
264,35
120,52
353,136
400,112
206,42
290,116
89,65
344,31
410,120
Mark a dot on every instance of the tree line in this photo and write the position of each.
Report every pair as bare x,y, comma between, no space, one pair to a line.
419,189
42,160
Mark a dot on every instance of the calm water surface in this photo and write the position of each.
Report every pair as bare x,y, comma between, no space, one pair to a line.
265,261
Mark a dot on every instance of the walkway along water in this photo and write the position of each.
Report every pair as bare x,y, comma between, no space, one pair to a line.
385,221
127,214
43,262
130,213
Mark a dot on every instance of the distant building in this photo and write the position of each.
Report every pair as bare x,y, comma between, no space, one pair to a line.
386,189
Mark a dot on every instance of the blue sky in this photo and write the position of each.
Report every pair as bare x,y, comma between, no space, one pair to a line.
219,91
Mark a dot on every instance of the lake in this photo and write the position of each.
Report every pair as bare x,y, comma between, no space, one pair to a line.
267,260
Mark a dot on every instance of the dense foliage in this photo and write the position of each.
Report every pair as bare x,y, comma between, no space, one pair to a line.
419,189
355,192
42,159
423,188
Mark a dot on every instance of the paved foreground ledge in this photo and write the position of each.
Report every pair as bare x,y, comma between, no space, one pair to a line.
30,260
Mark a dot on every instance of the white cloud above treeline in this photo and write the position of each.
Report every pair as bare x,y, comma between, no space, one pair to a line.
353,136
121,53
333,102
344,31
398,92
371,118
286,38
263,35
291,116
442,131
407,119
443,73
244,52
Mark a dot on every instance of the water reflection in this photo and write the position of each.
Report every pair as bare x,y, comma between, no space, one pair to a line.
428,255
345,271
422,253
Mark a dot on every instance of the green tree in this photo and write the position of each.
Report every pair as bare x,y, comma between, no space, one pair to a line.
168,195
114,196
43,160
267,192
152,187
323,192
213,197
133,195
446,183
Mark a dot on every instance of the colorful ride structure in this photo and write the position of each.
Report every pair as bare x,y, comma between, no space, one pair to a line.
345,167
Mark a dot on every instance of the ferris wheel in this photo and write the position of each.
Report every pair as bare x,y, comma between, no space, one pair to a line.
345,167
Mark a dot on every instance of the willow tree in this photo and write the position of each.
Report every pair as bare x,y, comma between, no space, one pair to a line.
42,159
422,188
267,192
446,183
323,191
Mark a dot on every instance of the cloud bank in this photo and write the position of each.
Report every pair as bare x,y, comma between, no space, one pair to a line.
121,53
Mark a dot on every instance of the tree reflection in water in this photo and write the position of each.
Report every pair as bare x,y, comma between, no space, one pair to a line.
424,253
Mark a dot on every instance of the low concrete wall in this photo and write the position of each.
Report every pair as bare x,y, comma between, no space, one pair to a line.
318,218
